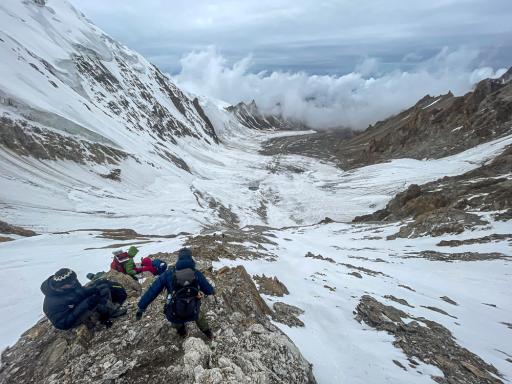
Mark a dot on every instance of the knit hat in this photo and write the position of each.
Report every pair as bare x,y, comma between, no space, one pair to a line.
62,277
132,251
184,253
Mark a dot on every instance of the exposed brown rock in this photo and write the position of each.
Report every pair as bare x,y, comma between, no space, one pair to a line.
398,300
439,222
462,256
287,314
320,257
480,240
114,174
448,300
435,309
271,286
14,230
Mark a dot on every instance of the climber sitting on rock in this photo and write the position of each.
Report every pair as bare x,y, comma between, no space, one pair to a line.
185,287
68,304
123,261
155,266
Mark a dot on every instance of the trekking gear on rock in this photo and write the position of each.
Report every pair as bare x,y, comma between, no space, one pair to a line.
183,304
138,315
95,276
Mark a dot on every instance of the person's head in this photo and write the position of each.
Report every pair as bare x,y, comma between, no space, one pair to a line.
132,251
64,278
185,259
185,253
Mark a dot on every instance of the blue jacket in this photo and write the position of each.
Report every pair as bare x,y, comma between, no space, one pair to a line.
165,280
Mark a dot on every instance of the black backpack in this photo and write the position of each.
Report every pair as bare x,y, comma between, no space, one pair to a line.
183,304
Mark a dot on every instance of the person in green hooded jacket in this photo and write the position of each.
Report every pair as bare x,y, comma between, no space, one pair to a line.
123,261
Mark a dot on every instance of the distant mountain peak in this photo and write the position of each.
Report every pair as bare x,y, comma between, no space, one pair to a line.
251,116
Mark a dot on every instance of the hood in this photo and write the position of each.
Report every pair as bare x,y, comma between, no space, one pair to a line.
147,262
185,261
48,289
45,287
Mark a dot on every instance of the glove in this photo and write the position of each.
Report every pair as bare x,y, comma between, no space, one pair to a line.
138,315
92,301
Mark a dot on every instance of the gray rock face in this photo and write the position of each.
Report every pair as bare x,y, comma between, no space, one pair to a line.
248,348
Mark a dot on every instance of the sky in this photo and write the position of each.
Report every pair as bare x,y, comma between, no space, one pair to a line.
255,44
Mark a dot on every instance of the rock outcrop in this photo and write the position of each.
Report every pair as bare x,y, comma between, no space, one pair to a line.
248,348
9,229
429,342
451,204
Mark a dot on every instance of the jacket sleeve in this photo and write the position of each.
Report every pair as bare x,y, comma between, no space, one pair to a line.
129,267
153,291
204,284
69,318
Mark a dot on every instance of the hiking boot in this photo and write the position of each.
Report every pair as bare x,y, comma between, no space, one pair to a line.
118,312
182,331
209,334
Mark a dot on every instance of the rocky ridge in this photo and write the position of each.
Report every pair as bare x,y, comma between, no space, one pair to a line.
248,348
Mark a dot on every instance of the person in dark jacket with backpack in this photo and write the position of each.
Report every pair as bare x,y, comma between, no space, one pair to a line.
185,287
68,304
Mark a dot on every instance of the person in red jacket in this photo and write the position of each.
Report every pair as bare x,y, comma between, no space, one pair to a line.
146,265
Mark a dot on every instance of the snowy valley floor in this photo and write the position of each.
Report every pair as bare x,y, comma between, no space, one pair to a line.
297,192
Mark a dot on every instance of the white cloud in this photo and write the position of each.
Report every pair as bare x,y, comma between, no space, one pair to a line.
355,99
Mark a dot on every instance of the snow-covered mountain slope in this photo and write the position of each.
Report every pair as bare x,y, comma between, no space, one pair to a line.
92,136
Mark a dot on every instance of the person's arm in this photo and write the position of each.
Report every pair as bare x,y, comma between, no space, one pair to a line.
204,284
67,319
153,291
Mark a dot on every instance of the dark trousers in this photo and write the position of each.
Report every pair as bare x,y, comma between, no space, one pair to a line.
201,322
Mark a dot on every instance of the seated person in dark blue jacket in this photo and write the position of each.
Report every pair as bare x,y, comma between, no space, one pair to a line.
185,288
68,304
